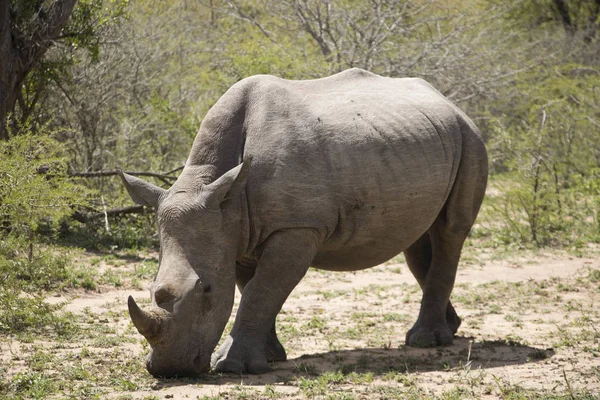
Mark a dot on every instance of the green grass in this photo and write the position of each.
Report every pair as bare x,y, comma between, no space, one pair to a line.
31,384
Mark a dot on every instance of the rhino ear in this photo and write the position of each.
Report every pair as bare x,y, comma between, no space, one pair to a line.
141,192
229,185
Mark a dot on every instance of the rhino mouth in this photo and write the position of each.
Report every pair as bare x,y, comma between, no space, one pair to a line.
201,363
170,369
194,371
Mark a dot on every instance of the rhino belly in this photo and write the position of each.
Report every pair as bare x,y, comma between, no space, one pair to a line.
353,259
367,237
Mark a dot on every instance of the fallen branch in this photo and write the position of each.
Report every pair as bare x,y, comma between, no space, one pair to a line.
166,177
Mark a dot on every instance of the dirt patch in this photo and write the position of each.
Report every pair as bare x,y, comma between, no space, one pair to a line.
530,325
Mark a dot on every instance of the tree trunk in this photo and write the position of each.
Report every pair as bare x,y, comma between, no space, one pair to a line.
8,69
7,100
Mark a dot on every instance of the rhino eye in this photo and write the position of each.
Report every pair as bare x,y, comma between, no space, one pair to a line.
204,287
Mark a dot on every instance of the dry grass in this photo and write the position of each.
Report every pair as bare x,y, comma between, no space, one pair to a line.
531,331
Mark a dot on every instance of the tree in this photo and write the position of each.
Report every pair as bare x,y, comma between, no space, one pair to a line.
35,188
550,142
579,18
28,30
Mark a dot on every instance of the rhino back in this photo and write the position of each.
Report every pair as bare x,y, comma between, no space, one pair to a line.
366,160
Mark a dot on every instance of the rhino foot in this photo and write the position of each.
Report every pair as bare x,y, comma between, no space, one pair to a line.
452,318
226,365
429,336
274,350
240,356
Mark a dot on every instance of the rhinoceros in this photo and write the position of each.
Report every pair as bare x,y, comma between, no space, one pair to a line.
340,173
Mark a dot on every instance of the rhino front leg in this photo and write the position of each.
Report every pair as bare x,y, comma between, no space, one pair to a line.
274,350
418,257
283,263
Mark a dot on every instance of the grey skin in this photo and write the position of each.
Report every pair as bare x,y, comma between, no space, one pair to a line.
340,173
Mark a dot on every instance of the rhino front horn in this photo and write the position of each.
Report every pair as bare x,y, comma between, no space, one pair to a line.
147,323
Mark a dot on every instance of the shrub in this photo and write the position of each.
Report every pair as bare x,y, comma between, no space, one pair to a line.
35,195
550,145
35,189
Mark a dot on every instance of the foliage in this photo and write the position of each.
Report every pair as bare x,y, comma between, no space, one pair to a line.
34,187
30,313
33,385
83,33
125,232
549,141
130,83
23,284
35,195
576,16
84,29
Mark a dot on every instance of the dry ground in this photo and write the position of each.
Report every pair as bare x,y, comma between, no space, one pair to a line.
530,330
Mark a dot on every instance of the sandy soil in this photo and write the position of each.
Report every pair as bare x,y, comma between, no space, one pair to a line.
529,323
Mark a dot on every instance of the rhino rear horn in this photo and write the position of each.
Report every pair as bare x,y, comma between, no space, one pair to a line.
230,184
147,323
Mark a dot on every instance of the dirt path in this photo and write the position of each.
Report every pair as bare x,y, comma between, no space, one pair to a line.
530,325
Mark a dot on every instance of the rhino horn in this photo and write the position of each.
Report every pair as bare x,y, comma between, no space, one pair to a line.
147,323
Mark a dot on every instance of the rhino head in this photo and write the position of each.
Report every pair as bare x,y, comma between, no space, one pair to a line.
193,291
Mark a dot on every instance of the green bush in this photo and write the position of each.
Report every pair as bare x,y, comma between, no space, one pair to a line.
549,144
49,270
35,195
126,232
35,190
33,385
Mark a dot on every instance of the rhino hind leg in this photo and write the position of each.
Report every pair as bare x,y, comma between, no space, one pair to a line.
418,258
284,261
447,235
432,328
273,348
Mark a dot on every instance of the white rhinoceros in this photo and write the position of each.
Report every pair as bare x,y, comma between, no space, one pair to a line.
340,173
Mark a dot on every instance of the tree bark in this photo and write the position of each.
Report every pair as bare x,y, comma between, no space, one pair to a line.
20,53
8,70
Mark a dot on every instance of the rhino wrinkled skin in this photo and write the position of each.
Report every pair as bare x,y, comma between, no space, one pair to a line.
340,173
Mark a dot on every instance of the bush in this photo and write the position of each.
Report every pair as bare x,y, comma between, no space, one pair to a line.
35,195
550,145
35,189
126,232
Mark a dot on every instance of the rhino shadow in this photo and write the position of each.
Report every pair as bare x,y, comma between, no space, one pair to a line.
464,353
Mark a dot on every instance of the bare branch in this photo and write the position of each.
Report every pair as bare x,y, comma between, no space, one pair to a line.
325,49
242,15
49,25
166,178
